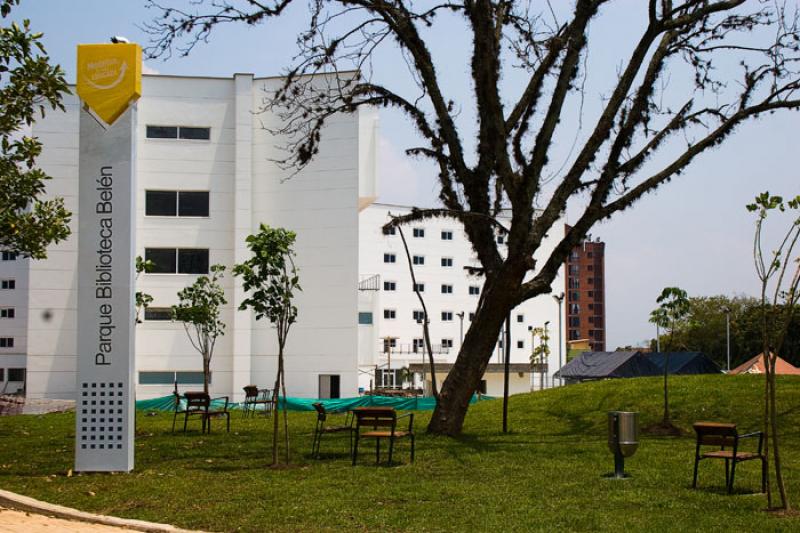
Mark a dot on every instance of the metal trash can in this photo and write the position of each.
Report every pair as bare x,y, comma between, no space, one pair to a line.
623,438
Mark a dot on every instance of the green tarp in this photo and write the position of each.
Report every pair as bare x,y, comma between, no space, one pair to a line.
166,403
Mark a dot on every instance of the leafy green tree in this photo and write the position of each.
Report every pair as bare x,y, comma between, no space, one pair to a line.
625,147
199,307
142,299
541,353
28,86
271,278
673,307
779,275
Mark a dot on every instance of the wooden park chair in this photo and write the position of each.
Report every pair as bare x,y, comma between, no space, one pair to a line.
727,438
381,423
322,428
255,397
201,404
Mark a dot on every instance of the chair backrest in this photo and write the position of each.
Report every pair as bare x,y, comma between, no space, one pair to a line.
250,391
716,433
197,400
375,416
322,414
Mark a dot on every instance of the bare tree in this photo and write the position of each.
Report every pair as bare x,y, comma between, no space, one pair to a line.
634,144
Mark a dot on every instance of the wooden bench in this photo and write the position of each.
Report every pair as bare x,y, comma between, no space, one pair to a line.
726,436
322,428
373,418
200,404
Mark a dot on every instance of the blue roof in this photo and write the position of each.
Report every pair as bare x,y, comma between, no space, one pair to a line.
599,365
685,362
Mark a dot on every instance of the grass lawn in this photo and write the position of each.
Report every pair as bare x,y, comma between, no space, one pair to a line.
544,475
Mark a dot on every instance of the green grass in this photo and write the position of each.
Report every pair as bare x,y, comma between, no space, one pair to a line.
544,475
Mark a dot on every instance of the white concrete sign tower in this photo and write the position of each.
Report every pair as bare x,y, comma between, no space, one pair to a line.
108,83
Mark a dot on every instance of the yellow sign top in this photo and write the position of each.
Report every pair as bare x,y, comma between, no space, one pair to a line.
109,78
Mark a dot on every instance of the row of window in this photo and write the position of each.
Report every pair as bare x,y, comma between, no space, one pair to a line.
445,288
446,235
418,315
14,374
8,284
177,260
418,260
6,342
171,377
176,203
417,344
7,312
178,132
9,256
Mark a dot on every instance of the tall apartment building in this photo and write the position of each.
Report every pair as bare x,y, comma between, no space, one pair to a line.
390,314
585,309
206,178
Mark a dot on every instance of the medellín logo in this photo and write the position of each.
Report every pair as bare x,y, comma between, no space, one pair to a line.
109,78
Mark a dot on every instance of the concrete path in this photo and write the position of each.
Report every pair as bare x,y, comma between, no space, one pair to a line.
21,522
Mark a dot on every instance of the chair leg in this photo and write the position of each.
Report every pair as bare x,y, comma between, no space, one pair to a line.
377,450
412,447
174,418
185,420
391,449
727,472
763,475
694,479
228,420
355,450
733,473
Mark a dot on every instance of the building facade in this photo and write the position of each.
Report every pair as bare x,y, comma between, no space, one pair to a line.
585,290
390,313
206,178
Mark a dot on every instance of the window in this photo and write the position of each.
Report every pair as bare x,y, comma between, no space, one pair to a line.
447,261
418,259
574,295
389,343
447,343
447,289
590,281
7,312
447,235
417,345
387,378
573,335
575,321
176,203
192,203
2,374
329,386
158,313
574,309
170,377
178,132
389,231
574,283
447,316
591,294
520,319
8,284
573,269
520,344
365,318
16,374
418,315
589,267
10,256
182,260
6,342
389,286
389,314
474,290
501,239
419,287
418,232
389,258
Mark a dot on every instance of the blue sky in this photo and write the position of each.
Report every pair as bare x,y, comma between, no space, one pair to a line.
693,233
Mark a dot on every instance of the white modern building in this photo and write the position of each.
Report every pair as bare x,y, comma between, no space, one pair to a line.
390,313
206,178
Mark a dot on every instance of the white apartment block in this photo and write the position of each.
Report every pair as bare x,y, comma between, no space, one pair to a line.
390,326
206,179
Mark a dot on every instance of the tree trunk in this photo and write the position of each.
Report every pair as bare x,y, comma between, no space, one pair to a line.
206,372
285,410
276,411
466,373
665,421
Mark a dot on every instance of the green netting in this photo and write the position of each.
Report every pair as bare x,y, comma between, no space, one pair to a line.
167,403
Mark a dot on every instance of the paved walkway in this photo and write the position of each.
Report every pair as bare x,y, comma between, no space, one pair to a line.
21,522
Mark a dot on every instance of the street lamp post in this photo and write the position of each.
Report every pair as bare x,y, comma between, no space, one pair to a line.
545,354
727,311
560,300
461,327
